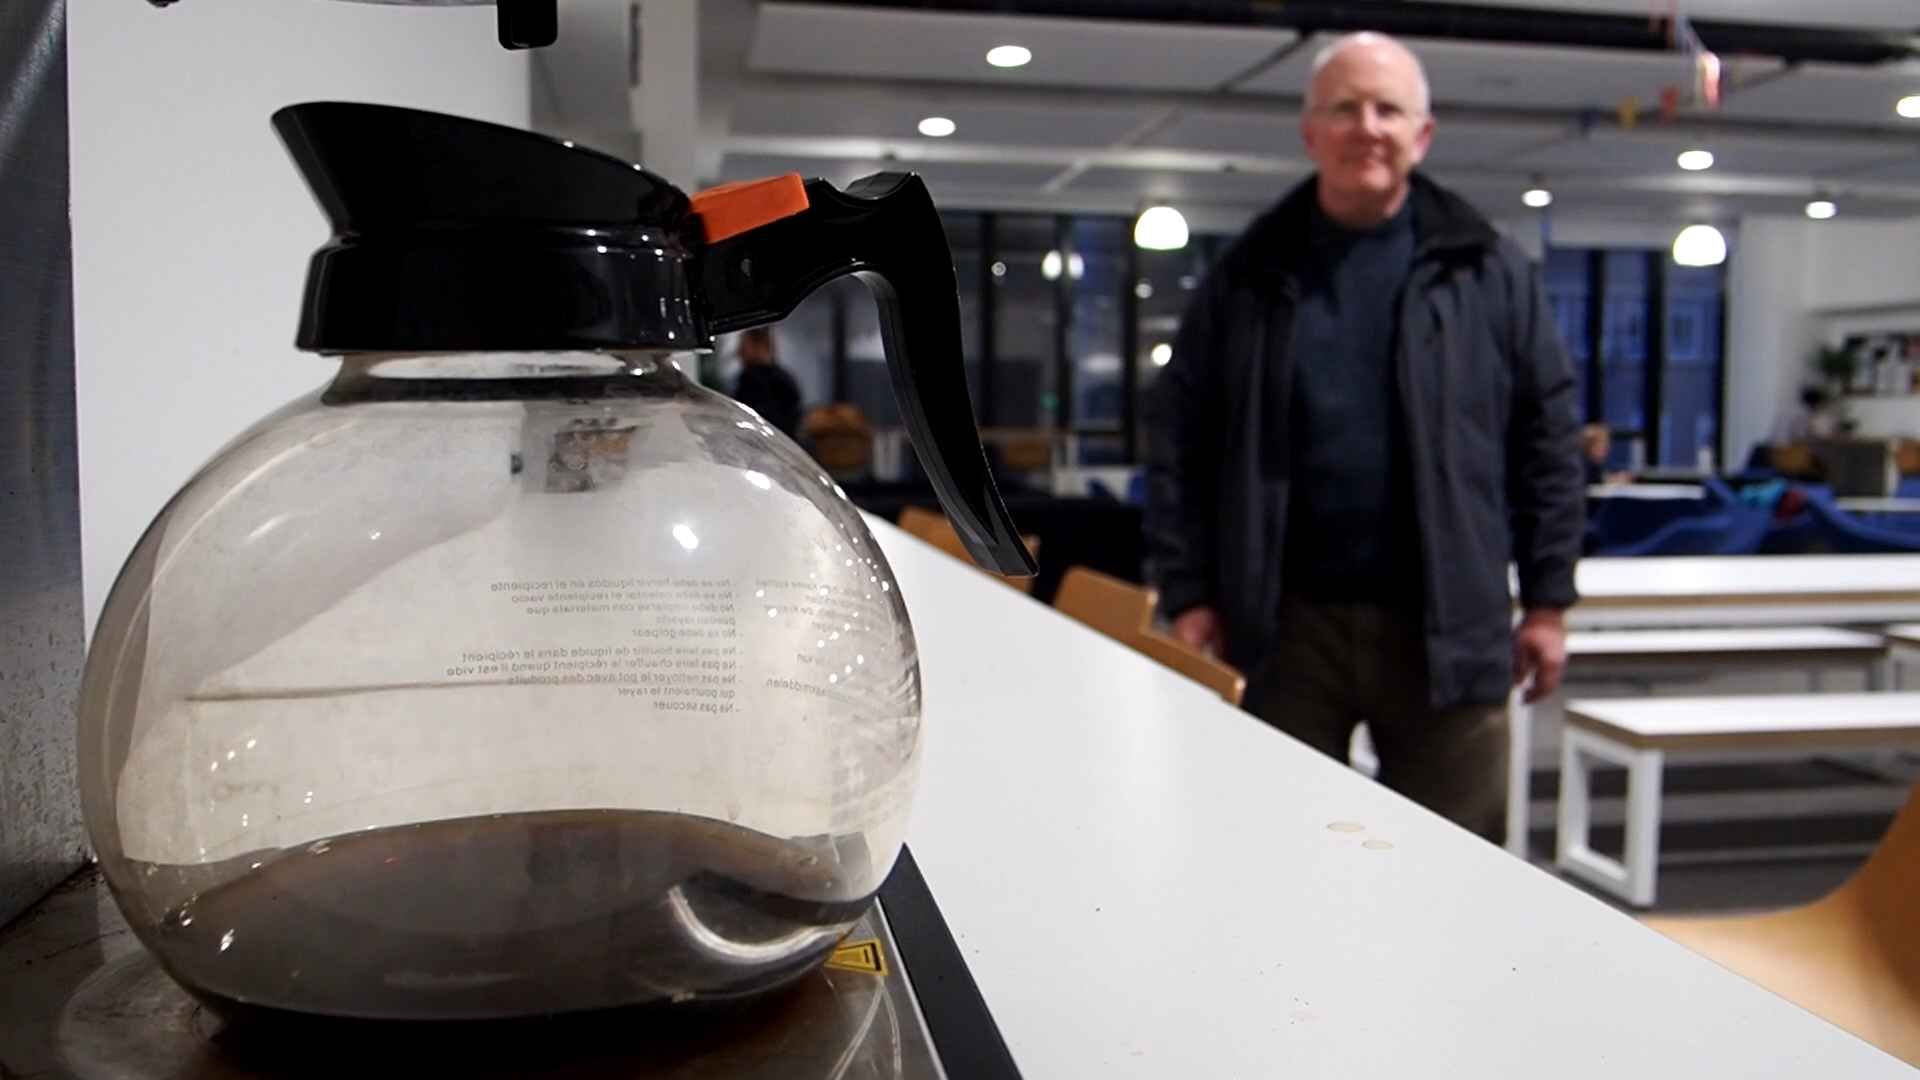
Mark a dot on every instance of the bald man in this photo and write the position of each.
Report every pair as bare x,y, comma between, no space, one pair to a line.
1367,418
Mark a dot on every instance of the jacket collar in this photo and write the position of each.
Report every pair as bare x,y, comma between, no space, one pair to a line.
1444,224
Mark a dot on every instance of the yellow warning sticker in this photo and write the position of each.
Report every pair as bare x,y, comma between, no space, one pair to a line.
861,956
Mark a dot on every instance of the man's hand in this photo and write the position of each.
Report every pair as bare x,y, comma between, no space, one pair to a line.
1540,651
1200,627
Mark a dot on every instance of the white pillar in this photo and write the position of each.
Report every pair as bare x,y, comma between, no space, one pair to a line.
666,101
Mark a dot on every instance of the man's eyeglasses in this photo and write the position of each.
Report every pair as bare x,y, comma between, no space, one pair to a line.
1347,115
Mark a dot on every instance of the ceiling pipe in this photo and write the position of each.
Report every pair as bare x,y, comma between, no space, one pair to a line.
1465,22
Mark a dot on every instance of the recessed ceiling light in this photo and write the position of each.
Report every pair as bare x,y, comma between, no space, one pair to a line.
1696,160
936,127
1821,209
1143,289
1009,56
1909,107
1162,355
1538,198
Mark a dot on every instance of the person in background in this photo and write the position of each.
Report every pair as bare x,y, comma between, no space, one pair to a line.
1369,414
1808,421
763,385
1596,446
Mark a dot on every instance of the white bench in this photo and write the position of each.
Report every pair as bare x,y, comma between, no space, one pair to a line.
1637,734
1598,654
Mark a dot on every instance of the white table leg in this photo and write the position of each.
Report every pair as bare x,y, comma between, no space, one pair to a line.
1643,825
1519,770
1633,880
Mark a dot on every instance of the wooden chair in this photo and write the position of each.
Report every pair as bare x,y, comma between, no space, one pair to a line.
1852,958
1119,609
935,529
1216,675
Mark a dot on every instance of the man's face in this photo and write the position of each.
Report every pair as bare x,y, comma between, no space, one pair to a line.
1367,127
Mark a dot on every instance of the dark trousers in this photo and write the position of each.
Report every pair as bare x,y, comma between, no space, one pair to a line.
1334,665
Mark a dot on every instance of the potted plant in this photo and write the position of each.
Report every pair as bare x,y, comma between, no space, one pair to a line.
1837,364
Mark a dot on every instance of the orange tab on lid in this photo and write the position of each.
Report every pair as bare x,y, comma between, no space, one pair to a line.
731,209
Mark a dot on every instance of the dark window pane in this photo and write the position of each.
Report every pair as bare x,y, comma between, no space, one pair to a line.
868,384
964,237
1171,280
1024,320
1096,271
1690,386
1571,296
1623,341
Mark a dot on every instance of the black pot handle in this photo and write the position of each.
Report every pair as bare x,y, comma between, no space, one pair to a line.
884,230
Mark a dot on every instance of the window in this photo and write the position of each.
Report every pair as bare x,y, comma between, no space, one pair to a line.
1026,316
1623,349
1655,353
1690,382
1094,324
1568,291
966,235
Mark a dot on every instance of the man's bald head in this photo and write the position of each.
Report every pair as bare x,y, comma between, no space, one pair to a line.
1367,125
1378,48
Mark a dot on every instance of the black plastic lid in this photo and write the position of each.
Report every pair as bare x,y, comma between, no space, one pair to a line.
455,234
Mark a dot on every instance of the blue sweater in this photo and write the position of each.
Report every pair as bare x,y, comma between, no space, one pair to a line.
1351,532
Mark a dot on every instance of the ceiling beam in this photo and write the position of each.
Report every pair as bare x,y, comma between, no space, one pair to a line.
1166,160
1470,22
1265,106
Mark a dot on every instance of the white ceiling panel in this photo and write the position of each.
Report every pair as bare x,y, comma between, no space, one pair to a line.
1240,132
1831,93
940,175
894,116
1655,151
1206,187
873,43
1900,166
1532,76
1875,14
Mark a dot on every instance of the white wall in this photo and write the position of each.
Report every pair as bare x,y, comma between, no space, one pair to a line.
191,230
1770,330
1865,264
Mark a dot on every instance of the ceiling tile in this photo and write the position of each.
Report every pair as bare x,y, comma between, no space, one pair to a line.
891,116
941,176
1656,151
877,43
1832,94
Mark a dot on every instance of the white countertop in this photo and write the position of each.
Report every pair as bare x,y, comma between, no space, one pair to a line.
1144,883
1870,504
1646,491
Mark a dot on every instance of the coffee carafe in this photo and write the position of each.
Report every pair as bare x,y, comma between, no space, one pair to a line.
511,672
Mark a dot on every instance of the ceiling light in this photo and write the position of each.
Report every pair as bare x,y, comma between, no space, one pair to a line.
1076,266
1821,209
1696,160
1539,198
936,127
1700,245
1050,266
1160,228
1162,355
1909,107
1143,289
1009,56
999,268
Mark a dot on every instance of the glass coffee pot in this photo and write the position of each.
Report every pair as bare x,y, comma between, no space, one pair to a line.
512,672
